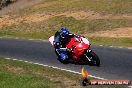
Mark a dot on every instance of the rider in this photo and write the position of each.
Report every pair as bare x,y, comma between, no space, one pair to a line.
62,37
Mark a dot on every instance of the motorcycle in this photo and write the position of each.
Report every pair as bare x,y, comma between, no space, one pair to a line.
80,51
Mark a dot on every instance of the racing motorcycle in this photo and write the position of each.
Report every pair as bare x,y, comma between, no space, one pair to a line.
80,51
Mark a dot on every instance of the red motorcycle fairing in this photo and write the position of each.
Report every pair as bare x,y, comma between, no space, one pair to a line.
79,49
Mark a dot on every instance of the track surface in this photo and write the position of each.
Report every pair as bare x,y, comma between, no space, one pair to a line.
115,63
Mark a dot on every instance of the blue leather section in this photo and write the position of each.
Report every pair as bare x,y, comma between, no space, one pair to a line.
63,56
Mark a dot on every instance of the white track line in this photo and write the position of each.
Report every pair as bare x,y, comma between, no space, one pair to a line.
130,48
59,69
100,45
130,86
55,68
111,46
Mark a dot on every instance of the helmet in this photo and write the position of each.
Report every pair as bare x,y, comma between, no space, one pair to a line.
64,31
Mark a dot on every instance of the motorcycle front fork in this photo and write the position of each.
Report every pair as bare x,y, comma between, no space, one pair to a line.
88,58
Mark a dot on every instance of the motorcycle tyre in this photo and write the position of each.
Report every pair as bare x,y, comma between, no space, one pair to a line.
94,58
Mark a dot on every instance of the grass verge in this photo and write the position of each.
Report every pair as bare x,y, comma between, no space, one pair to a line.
123,42
16,74
41,30
103,6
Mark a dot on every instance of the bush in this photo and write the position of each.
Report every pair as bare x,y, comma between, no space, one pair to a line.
4,3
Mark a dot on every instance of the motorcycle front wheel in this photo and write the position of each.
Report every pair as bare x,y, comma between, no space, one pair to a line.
94,58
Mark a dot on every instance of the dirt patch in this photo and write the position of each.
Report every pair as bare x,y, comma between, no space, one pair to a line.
79,15
91,15
7,20
116,33
68,83
14,69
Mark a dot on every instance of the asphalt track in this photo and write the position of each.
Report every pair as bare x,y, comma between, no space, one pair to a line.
116,63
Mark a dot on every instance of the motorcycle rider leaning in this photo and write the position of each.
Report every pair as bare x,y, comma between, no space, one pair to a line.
61,38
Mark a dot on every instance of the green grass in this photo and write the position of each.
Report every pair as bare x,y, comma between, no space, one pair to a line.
9,80
44,28
124,42
101,6
17,74
41,30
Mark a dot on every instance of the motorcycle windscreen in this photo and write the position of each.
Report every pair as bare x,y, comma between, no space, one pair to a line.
51,39
85,40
